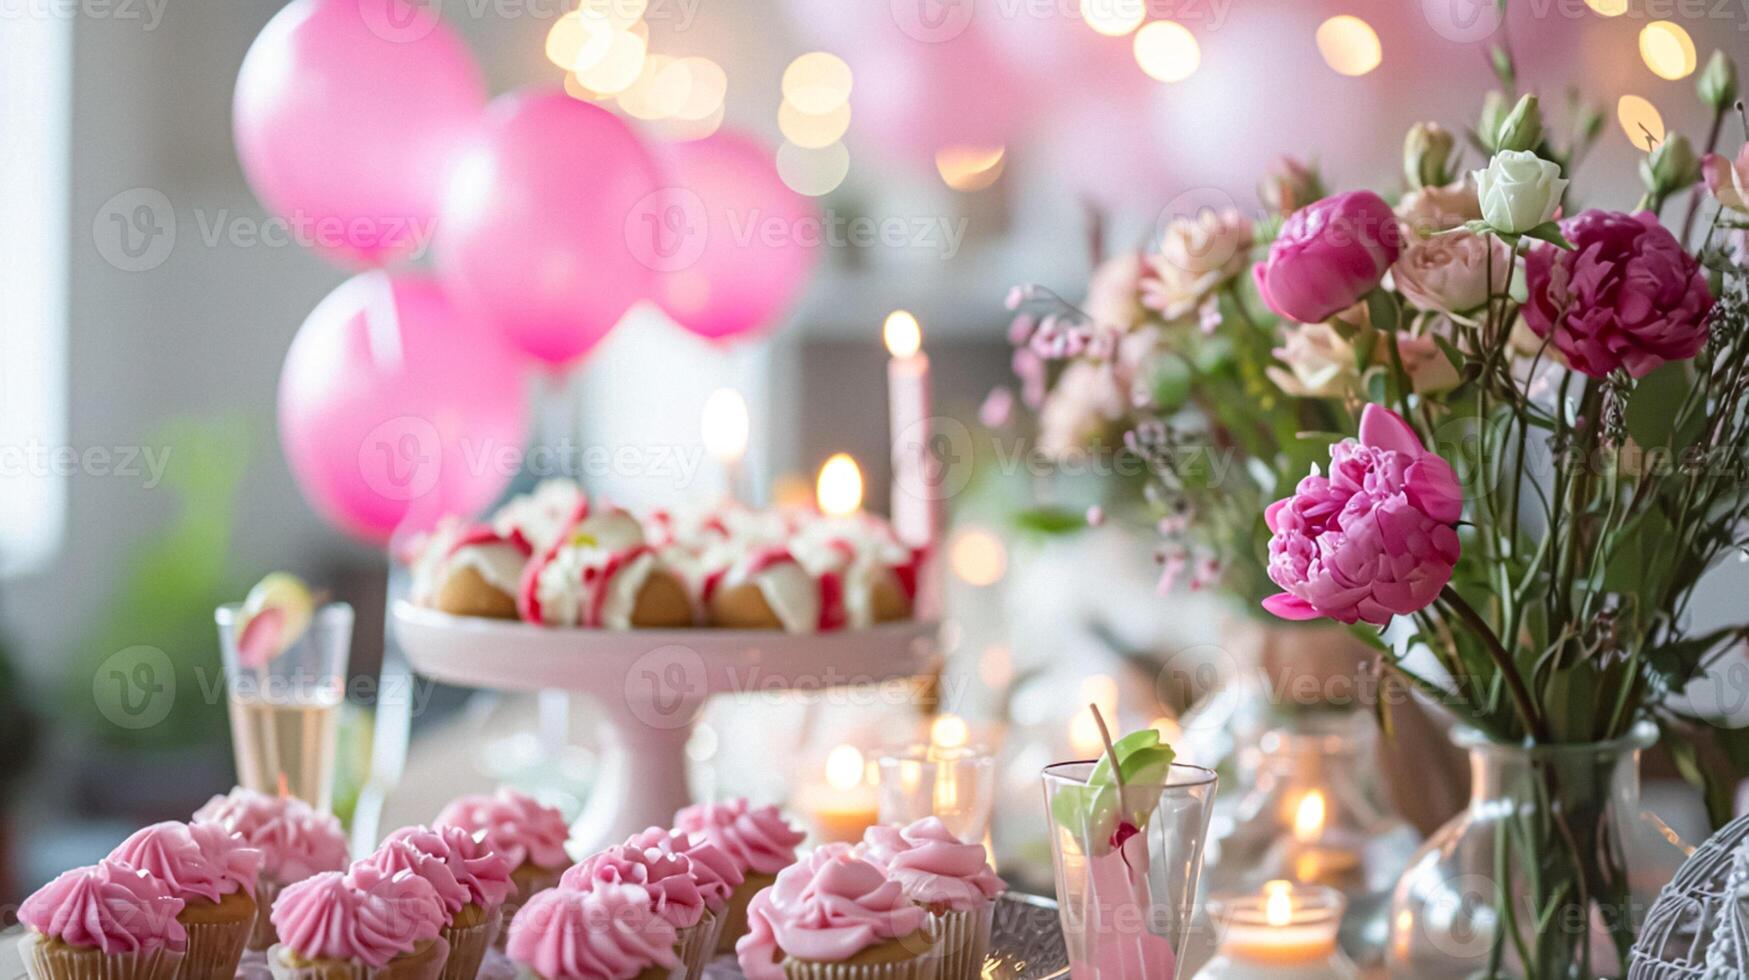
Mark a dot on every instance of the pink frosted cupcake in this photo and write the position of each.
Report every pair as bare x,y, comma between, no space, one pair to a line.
674,895
102,922
530,836
471,880
214,872
950,879
610,932
294,839
360,924
835,917
713,870
758,839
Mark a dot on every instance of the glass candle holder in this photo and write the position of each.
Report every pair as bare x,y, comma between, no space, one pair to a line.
1127,863
1285,932
956,784
1317,815
285,713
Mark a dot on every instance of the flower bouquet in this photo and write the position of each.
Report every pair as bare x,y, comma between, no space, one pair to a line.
1540,445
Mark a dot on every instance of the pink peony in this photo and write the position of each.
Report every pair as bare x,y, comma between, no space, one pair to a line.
1372,540
1627,296
1328,256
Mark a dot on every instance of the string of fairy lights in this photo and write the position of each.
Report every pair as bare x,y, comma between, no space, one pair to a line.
603,47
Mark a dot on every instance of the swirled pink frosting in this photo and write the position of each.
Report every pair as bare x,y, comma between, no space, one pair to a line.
197,860
294,839
361,914
398,855
827,910
667,876
482,871
713,870
516,826
107,906
758,838
610,932
934,867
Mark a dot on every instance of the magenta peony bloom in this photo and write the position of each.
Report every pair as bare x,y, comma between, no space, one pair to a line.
1372,540
1329,255
1626,296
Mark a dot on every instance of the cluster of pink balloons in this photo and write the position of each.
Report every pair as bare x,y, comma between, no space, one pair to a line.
368,121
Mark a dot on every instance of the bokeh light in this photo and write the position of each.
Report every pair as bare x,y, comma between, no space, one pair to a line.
1608,8
813,172
1641,122
812,131
817,83
978,557
1667,50
709,86
970,168
660,91
620,66
1349,45
838,491
1167,51
1114,18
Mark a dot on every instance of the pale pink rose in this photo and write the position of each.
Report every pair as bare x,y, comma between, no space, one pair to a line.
1728,180
1196,257
1431,209
1319,362
1449,273
1430,371
1082,407
1374,539
1291,185
1114,292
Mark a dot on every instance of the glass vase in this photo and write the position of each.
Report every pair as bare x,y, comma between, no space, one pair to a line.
1127,863
1546,875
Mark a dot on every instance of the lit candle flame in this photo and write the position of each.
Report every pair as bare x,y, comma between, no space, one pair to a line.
1309,817
724,425
839,489
903,335
844,767
1278,903
949,732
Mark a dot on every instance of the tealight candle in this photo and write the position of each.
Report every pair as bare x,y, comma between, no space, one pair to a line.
1286,933
845,804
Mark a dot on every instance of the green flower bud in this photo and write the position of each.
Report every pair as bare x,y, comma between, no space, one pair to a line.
1522,129
1427,155
1718,82
1488,123
1671,166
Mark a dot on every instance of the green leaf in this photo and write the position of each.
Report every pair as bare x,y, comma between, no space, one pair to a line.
1171,381
1383,310
1051,520
1654,406
1550,232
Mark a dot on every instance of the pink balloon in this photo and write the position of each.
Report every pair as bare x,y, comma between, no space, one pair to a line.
540,223
348,116
735,243
395,408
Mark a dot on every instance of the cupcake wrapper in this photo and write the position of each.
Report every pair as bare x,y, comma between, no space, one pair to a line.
263,935
43,962
696,944
963,939
716,921
467,948
214,949
401,968
735,916
925,967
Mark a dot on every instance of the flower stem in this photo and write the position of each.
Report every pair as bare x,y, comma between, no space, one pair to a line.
1502,659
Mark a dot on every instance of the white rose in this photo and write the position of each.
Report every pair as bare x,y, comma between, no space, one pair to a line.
1518,191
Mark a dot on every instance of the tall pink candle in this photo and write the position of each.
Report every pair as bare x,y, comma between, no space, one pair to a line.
917,476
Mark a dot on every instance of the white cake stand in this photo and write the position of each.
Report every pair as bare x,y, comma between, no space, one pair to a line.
651,686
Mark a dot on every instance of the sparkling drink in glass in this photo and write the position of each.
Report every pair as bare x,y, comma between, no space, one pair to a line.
1127,862
285,711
